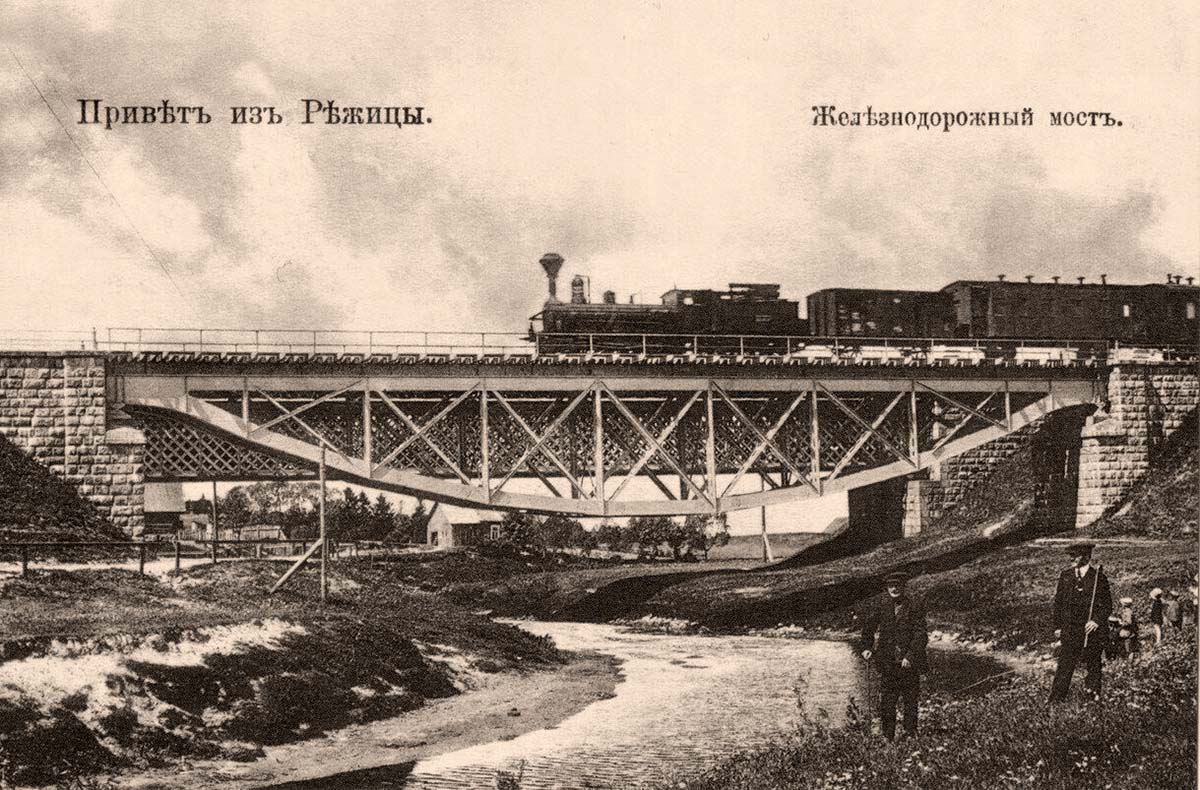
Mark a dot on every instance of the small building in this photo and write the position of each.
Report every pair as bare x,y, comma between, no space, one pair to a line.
195,526
451,526
254,532
163,508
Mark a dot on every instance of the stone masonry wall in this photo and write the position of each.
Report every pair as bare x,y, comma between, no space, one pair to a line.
53,407
1146,404
926,500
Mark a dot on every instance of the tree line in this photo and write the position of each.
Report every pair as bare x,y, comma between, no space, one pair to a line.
352,515
349,514
648,536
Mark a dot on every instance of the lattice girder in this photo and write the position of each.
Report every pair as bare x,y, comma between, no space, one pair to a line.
592,448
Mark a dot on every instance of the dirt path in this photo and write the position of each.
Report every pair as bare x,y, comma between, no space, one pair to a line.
502,707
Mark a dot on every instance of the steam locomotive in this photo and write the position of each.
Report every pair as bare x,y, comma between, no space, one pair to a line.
1148,314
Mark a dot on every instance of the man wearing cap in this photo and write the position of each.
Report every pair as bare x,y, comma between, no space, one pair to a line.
1082,605
894,634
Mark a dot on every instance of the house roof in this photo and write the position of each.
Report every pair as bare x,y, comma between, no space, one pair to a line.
465,515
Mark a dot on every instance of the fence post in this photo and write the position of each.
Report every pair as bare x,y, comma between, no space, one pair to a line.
142,560
216,533
24,561
177,554
324,537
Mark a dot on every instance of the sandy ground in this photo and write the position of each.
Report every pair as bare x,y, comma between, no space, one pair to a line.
501,707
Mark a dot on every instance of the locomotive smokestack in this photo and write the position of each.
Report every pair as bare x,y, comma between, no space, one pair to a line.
1055,278
1169,278
1081,279
1029,278
1000,277
1104,279
551,262
1189,280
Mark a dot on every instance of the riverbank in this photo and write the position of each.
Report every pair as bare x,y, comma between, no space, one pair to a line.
1002,733
107,671
497,707
1143,737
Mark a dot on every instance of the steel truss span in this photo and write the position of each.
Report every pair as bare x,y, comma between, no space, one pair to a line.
697,445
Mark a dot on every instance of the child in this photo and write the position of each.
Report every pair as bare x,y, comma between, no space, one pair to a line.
1171,610
1114,647
1156,614
1127,628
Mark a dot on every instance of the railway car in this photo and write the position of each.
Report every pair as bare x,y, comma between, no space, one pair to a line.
753,316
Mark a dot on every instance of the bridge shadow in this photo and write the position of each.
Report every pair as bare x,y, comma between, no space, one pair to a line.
845,593
383,776
625,597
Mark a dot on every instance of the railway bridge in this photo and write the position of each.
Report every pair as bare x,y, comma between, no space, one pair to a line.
672,427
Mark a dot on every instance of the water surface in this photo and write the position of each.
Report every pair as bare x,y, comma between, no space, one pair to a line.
686,702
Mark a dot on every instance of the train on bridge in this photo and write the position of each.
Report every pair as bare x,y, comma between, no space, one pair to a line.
1152,314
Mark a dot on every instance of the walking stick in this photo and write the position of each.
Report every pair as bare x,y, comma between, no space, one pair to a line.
1092,606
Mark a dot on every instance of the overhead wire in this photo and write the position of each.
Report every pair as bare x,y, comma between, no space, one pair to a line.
133,226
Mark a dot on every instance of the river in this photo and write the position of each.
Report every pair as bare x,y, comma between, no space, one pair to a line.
686,702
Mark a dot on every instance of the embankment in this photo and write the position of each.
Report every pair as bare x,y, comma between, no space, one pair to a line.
109,671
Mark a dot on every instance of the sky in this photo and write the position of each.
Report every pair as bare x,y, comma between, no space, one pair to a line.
652,144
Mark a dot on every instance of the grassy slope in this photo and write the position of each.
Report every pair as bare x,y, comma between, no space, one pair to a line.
365,638
1143,738
36,505
988,516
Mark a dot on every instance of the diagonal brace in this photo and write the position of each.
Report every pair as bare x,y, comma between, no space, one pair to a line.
853,415
864,436
287,415
762,437
653,443
963,406
321,440
420,432
540,441
763,441
662,437
959,426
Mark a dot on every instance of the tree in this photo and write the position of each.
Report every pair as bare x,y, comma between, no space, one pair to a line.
612,536
562,532
520,531
649,533
418,523
382,519
201,505
234,509
299,523
706,532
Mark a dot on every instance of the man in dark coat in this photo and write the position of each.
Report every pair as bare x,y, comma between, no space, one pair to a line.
894,635
1082,604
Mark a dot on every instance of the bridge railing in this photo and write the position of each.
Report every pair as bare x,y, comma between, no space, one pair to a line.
309,341
598,345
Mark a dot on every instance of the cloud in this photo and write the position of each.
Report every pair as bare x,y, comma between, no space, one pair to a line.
649,146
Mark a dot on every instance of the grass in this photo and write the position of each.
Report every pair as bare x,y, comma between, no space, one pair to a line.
1142,738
